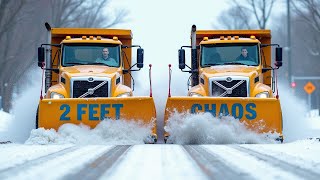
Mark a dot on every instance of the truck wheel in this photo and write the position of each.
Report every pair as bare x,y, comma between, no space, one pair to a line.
166,139
280,138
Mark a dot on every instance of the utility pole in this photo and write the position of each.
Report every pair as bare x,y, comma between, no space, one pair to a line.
289,41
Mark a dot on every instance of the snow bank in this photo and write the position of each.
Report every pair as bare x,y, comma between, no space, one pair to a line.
296,125
5,118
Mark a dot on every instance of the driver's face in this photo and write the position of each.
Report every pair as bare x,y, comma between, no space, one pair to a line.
244,52
105,52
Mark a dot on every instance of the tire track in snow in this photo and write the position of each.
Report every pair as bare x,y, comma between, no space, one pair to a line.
213,166
95,169
285,166
4,173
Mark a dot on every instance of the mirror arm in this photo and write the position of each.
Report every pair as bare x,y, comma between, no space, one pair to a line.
55,45
266,45
125,47
270,68
125,71
56,70
188,66
191,71
198,47
185,47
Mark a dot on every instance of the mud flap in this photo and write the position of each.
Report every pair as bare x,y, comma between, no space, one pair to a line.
55,112
259,114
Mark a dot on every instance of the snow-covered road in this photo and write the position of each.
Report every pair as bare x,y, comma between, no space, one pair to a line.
115,150
296,160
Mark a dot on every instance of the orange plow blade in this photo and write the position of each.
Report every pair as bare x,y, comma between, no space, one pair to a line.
53,113
259,114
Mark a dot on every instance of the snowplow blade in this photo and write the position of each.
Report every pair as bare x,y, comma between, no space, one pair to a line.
53,113
259,114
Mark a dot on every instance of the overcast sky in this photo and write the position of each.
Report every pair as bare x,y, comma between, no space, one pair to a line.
162,27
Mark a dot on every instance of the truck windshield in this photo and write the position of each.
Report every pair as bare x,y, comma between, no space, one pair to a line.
222,54
93,54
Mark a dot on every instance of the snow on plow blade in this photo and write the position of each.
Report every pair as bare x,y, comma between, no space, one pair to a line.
55,112
259,114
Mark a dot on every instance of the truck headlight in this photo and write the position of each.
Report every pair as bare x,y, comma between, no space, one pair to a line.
127,94
55,95
264,94
193,94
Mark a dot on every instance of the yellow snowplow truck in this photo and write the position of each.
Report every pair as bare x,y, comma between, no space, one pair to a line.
231,75
88,79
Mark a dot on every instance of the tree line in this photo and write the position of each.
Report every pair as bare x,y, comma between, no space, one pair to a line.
304,28
22,31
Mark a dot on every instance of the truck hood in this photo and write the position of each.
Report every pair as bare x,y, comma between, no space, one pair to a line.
89,70
234,70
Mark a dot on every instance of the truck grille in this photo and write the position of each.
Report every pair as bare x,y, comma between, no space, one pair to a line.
234,88
82,87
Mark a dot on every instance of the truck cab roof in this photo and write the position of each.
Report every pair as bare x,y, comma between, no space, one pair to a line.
225,40
92,40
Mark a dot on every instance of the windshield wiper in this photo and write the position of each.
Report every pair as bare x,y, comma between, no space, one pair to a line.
74,63
211,64
236,63
98,63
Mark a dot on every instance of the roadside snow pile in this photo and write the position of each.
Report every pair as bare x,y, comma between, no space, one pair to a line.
315,122
313,119
5,119
296,125
111,132
203,128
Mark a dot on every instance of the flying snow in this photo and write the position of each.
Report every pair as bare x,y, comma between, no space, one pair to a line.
112,132
203,128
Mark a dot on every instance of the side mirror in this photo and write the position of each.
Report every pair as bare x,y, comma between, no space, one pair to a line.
140,58
182,60
278,56
40,56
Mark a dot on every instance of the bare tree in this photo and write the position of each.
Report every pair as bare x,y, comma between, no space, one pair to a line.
13,15
84,14
309,13
304,45
10,14
234,18
260,9
21,32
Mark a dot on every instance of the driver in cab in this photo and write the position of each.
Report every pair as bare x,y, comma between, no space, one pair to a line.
244,55
106,59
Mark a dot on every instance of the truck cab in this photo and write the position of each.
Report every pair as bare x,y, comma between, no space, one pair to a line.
232,67
241,56
88,79
84,73
231,75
